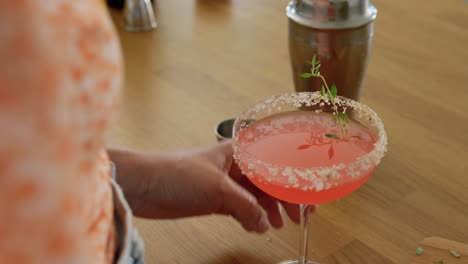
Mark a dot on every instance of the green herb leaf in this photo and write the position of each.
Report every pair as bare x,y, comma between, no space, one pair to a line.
340,119
333,91
332,136
454,253
345,117
419,251
440,261
335,119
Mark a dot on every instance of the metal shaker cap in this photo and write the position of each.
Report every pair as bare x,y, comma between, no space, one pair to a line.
331,14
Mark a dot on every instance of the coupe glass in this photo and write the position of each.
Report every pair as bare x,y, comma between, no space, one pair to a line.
306,186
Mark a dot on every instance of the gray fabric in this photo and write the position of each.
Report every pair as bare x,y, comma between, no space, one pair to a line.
136,255
130,247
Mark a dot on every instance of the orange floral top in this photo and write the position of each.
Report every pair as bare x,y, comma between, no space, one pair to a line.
60,70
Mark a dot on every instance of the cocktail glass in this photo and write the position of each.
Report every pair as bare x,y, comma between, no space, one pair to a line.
291,148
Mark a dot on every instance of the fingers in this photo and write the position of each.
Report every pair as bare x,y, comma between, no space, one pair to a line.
227,151
268,203
220,154
226,147
292,210
236,173
271,206
243,206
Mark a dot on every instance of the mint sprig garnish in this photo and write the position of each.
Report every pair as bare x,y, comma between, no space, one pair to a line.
454,253
340,118
419,251
332,136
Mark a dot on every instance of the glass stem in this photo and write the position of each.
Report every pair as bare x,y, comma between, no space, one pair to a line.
304,237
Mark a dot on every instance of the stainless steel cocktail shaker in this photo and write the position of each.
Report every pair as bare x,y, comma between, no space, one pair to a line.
340,33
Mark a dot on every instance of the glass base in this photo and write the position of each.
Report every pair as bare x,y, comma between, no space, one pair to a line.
296,262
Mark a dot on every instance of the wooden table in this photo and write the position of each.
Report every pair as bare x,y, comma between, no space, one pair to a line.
209,59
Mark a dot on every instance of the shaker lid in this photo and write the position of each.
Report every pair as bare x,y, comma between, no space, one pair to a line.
331,14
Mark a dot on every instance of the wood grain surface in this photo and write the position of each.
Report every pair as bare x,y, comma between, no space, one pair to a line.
209,59
439,249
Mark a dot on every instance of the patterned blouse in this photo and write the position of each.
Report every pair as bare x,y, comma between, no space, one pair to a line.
60,72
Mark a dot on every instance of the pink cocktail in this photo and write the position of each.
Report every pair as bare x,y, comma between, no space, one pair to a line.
291,148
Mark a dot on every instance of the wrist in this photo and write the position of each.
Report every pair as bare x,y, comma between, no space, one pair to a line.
140,174
131,173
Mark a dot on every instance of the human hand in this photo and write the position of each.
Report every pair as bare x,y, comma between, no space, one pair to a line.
201,182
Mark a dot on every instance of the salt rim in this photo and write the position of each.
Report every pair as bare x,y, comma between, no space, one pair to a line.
319,177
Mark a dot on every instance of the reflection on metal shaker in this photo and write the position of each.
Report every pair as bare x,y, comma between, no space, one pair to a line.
340,33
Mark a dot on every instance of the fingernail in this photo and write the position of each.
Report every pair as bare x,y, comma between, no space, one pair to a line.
263,224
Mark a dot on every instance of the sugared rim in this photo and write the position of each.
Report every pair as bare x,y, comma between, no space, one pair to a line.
299,99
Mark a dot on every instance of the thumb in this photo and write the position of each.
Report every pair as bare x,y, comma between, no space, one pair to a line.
243,206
